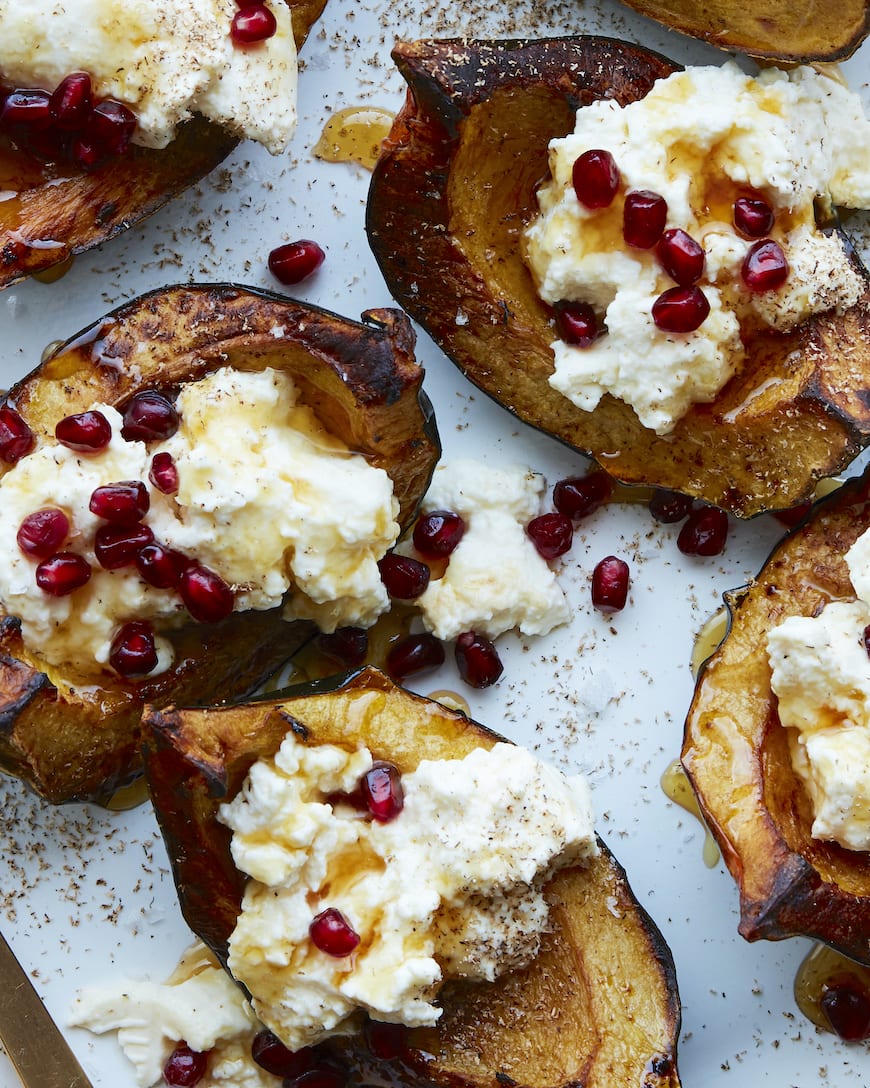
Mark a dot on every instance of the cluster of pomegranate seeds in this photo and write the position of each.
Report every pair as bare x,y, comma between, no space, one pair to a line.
163,473
595,177
295,261
577,324
206,595
122,503
704,532
437,534
681,257
84,432
610,580
43,532
753,216
252,23
331,932
669,507
764,267
16,438
680,309
414,654
382,791
579,496
132,652
184,1067
348,645
846,1004
477,660
403,576
644,215
149,417
62,574
552,534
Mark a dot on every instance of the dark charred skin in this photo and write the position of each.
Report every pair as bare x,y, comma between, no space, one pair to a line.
72,739
55,217
575,1026
451,194
736,754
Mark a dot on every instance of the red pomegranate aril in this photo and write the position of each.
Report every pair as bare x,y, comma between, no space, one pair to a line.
295,261
595,177
26,108
149,416
160,566
865,638
552,534
610,580
71,101
132,651
414,654
386,1041
644,215
184,1067
110,126
681,257
579,496
437,533
403,577
382,791
333,934
117,546
753,216
206,595
86,153
704,532
846,1004
324,1076
16,438
122,503
349,645
62,574
253,23
164,473
576,324
669,507
680,309
270,1054
793,515
477,660
42,532
85,432
764,267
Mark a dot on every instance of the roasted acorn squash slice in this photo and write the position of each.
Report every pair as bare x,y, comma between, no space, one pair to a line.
599,1007
73,739
775,29
450,196
53,217
736,753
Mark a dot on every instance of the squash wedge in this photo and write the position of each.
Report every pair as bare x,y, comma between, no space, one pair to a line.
449,199
736,753
598,1007
74,739
59,212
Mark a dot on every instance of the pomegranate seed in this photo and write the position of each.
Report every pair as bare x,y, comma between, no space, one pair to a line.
331,932
42,532
552,534
865,637
149,416
160,566
86,154
793,514
681,257
86,432
669,507
110,126
117,546
388,1042
325,1076
414,654
595,176
184,1067
254,23
270,1054
295,261
704,533
753,216
477,660
382,791
403,577
16,438
610,584
680,309
644,215
132,652
206,595
61,574
847,1006
764,267
164,473
579,496
27,108
71,101
436,534
349,645
122,503
576,324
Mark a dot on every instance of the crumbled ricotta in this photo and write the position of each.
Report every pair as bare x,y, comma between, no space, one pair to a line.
450,887
166,62
266,498
495,580
699,138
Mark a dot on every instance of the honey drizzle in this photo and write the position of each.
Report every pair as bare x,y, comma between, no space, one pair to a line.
354,134
709,639
676,787
821,967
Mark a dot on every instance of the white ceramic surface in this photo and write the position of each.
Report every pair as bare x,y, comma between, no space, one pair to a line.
85,894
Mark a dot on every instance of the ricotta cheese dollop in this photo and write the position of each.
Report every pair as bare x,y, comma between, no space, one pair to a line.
166,62
701,138
452,887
